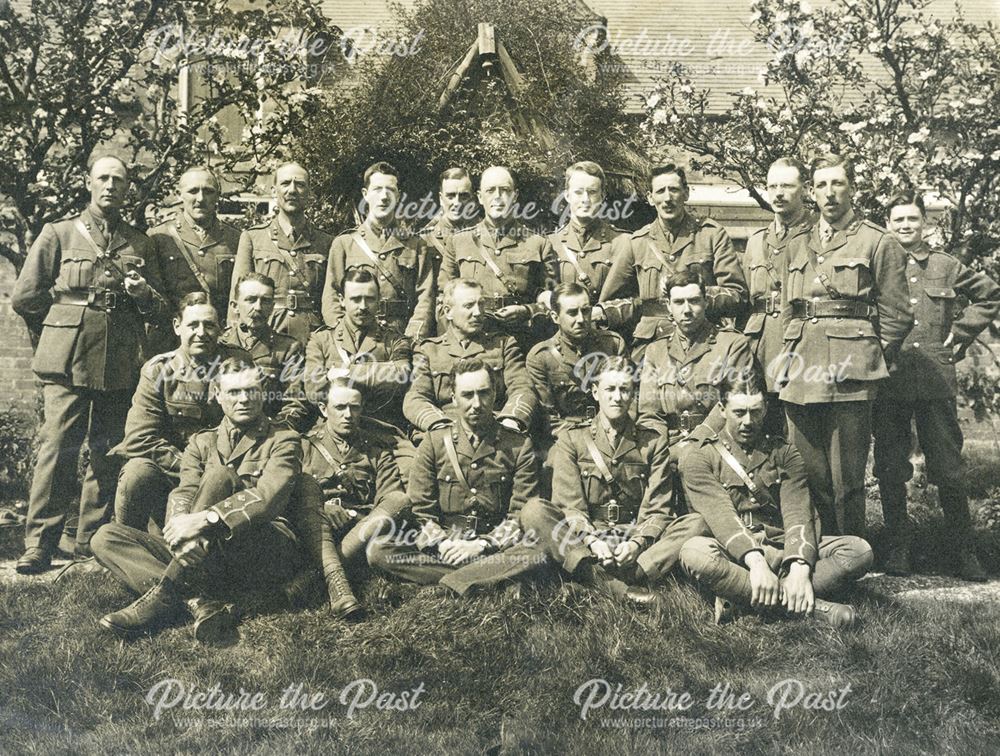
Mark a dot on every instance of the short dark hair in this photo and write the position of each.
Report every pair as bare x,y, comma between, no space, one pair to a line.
455,173
566,289
386,169
614,364
684,277
360,274
471,365
192,299
792,162
833,160
344,381
747,382
906,197
590,168
665,168
255,277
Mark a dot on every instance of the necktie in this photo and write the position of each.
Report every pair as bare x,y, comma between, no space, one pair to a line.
474,440
826,233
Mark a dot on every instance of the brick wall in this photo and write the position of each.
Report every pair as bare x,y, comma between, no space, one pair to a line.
17,382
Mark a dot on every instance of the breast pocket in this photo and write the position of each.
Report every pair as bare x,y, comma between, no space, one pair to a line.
134,263
797,279
273,266
315,267
224,271
525,269
249,473
634,479
471,266
441,380
595,487
761,282
649,276
851,275
76,269
939,304
451,493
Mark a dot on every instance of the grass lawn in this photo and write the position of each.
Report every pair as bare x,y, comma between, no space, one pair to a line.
500,674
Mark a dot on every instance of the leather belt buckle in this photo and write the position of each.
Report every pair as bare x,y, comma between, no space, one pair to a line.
291,302
614,512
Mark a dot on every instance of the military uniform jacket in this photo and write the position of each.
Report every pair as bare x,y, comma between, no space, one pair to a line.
297,268
170,404
502,473
431,393
640,497
591,258
763,265
93,345
562,375
679,383
834,359
937,281
405,273
360,478
780,510
650,258
282,360
267,461
379,365
202,265
525,260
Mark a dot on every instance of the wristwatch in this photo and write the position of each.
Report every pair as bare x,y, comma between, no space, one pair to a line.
213,519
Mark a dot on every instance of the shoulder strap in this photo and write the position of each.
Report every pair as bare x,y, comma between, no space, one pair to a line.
449,448
509,285
823,277
572,259
323,451
602,465
85,232
729,459
202,281
363,246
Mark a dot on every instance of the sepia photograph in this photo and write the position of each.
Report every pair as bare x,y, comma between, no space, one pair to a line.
499,376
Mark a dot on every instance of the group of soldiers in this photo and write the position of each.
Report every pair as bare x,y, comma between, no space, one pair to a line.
473,402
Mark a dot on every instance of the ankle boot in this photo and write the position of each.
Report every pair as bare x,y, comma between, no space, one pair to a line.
841,616
342,601
152,610
214,621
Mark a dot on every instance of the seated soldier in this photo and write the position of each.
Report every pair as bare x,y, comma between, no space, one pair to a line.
468,483
224,525
170,404
430,395
614,482
279,356
350,490
767,551
681,372
562,368
373,355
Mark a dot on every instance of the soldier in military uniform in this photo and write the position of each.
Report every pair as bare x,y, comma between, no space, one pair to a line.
922,388
195,250
587,246
280,357
431,396
681,373
458,212
468,484
614,481
350,493
848,309
400,260
765,548
562,368
675,241
225,526
291,252
171,403
87,289
512,264
763,265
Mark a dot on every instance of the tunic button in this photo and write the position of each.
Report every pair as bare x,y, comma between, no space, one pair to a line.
814,320
753,500
913,279
820,258
382,276
496,252
916,322
916,345
381,256
343,467
750,474
475,466
107,271
291,252
816,280
913,300
473,491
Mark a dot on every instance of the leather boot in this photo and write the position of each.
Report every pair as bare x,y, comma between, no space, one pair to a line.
151,611
214,621
342,601
595,576
841,616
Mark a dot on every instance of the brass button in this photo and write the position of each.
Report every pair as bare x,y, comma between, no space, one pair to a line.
913,279
916,345
820,258
473,491
913,300
916,322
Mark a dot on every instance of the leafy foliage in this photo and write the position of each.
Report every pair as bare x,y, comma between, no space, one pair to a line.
18,441
76,75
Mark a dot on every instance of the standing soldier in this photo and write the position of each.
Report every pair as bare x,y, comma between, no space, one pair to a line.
765,548
562,368
225,526
922,388
587,246
675,241
171,403
196,251
431,395
399,260
87,289
848,310
280,358
291,252
763,263
513,265
681,373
